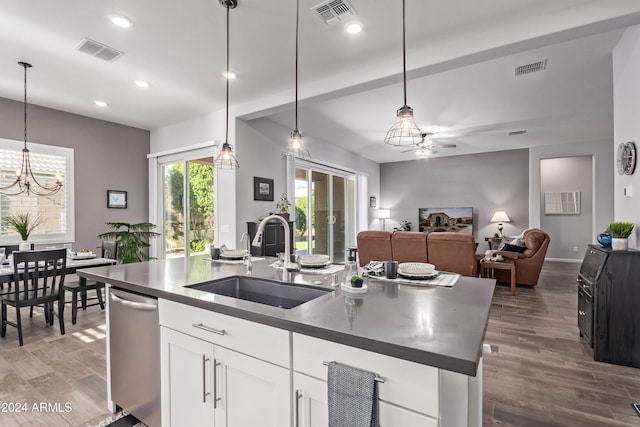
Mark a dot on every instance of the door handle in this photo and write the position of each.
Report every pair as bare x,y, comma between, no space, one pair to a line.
297,405
133,304
215,383
205,359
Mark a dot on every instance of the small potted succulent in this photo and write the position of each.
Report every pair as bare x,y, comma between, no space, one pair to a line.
24,225
620,232
356,281
283,206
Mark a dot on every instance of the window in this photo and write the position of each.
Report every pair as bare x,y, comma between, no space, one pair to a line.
55,211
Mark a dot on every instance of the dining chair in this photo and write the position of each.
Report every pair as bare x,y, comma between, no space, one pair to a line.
39,280
8,250
77,287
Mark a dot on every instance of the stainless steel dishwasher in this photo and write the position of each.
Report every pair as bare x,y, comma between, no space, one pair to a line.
134,349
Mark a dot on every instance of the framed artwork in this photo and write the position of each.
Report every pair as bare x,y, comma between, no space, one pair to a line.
262,189
116,199
372,202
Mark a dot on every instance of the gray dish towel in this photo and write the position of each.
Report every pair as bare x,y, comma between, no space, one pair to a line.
353,397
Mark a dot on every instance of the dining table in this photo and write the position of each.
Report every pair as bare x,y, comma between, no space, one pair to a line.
72,265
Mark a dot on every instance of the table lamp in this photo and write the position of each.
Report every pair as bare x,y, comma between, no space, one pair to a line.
500,217
384,214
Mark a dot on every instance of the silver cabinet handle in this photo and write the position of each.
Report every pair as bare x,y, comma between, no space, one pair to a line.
215,381
132,304
209,329
204,379
297,404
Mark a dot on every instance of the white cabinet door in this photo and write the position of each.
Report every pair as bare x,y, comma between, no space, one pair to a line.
251,392
187,386
310,401
312,410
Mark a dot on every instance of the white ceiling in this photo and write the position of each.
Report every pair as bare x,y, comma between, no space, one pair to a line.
460,54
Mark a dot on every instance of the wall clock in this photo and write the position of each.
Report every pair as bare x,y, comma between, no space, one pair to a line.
626,158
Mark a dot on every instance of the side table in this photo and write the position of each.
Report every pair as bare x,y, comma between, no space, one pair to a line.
488,268
493,242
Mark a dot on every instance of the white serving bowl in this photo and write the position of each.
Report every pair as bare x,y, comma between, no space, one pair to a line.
416,268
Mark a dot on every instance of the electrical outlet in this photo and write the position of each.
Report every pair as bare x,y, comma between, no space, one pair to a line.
575,249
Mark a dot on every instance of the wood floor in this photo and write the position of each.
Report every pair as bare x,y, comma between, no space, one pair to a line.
540,372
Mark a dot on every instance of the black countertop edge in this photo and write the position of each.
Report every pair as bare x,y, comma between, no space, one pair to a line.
445,362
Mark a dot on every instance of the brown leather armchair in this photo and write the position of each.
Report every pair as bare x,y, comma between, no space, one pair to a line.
374,245
454,252
409,246
529,263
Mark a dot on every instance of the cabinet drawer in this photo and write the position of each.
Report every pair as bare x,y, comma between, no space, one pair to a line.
261,341
407,384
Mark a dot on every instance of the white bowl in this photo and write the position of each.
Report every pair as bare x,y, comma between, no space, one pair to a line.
315,259
416,268
234,253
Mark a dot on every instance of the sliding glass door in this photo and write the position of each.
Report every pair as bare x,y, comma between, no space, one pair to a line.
187,207
325,211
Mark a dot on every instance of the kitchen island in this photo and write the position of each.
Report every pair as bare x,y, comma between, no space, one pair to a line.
425,343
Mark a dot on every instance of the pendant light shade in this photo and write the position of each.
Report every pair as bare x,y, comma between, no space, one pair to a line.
404,132
296,147
26,182
226,159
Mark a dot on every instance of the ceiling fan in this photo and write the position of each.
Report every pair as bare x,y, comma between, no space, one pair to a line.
427,146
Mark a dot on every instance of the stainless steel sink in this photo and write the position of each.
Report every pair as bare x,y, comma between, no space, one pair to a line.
262,291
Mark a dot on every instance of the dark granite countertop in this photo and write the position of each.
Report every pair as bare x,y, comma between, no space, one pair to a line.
441,327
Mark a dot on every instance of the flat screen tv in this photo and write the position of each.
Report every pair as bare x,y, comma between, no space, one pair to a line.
459,220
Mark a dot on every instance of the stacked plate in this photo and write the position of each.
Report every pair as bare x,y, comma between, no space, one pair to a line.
314,261
417,270
233,253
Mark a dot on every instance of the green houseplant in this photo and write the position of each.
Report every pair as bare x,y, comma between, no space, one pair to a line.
283,206
24,225
132,240
620,232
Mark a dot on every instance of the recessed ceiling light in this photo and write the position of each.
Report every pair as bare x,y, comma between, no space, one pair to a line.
229,76
121,20
353,27
142,83
100,103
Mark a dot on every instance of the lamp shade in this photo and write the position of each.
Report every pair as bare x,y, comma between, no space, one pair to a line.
384,213
499,216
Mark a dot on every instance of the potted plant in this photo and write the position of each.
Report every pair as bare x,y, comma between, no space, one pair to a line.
356,281
132,240
283,206
24,225
620,232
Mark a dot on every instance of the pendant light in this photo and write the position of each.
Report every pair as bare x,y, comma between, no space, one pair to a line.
296,147
226,159
26,182
405,131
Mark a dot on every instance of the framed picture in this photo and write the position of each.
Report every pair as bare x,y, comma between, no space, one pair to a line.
262,189
116,199
372,202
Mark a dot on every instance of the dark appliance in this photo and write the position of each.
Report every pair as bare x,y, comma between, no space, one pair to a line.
272,238
608,299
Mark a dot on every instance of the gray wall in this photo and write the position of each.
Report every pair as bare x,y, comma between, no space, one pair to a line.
487,182
262,142
107,156
568,231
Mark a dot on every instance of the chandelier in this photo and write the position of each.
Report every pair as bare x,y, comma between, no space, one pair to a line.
226,159
26,182
296,147
404,131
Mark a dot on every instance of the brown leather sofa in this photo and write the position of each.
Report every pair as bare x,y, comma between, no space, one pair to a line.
448,251
528,263
453,252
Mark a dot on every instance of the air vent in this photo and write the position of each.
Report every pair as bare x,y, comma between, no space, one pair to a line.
97,49
517,132
534,67
334,11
